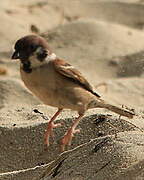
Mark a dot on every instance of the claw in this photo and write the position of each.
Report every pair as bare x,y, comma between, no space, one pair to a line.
67,138
49,133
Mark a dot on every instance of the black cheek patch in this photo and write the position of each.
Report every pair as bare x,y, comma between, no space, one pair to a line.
42,55
27,67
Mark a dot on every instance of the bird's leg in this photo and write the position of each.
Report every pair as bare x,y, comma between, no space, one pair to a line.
51,125
67,138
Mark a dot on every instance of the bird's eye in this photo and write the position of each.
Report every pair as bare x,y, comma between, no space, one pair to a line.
33,47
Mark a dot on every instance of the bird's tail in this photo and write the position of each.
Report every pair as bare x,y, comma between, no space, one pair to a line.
118,110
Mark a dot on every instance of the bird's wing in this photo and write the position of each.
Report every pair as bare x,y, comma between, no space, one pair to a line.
73,74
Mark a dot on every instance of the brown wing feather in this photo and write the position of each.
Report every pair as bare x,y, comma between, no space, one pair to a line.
70,72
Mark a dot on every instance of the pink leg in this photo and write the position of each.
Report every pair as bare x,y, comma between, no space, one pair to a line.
51,125
67,138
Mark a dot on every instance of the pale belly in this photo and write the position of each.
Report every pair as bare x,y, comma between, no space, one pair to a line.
61,98
54,94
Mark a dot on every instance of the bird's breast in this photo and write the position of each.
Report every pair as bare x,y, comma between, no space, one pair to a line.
54,90
40,84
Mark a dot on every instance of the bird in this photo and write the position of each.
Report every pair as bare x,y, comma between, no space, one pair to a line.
57,83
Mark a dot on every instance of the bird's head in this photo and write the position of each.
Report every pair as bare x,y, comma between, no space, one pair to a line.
32,50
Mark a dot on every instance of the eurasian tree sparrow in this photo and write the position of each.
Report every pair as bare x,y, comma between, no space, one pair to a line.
56,83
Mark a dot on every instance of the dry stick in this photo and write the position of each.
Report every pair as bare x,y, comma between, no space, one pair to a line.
21,170
135,126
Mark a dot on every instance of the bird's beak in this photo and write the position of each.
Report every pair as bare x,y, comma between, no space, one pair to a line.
15,55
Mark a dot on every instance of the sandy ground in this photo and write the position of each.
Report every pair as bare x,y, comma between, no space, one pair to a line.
105,40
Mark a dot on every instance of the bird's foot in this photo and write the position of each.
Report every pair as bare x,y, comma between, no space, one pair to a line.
49,132
67,138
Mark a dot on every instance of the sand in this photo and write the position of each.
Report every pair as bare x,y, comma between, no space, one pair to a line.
105,40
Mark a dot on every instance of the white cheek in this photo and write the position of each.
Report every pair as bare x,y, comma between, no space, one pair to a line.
51,57
35,62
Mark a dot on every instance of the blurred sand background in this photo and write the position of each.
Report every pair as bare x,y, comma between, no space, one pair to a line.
104,39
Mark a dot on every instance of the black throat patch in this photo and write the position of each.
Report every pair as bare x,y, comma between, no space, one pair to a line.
27,67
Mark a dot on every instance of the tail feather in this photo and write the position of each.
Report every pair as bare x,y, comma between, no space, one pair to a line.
118,110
